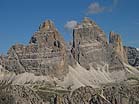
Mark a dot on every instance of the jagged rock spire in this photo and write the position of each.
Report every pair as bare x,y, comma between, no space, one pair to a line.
47,25
47,35
44,55
115,38
88,21
88,30
116,43
88,38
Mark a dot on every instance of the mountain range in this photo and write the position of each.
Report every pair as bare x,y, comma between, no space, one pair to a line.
90,70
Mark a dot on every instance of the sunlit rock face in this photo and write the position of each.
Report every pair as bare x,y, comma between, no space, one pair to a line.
89,44
45,54
90,70
116,52
48,54
116,43
91,48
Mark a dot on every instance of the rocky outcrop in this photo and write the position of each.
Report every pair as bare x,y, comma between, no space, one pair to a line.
108,94
55,73
116,54
116,43
45,54
133,56
19,95
89,44
90,47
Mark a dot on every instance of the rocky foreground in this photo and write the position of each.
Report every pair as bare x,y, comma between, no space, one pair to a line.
91,70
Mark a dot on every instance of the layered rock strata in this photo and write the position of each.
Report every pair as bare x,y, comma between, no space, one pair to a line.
116,43
91,48
90,71
45,54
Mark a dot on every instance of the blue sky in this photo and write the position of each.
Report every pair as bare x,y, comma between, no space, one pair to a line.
19,19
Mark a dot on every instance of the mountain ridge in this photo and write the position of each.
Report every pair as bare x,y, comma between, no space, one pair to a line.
47,64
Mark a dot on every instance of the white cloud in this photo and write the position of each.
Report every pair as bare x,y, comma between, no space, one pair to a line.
70,25
96,7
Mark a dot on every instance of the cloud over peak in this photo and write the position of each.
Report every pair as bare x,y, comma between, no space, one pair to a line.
70,25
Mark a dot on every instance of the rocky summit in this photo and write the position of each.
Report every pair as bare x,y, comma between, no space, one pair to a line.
44,55
89,70
89,41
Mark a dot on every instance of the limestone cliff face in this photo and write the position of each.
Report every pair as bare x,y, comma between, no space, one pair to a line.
89,43
116,43
90,47
48,37
45,54
52,72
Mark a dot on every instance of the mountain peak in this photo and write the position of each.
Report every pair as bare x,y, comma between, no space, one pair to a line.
89,70
114,38
47,32
88,30
87,20
116,42
45,54
47,25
